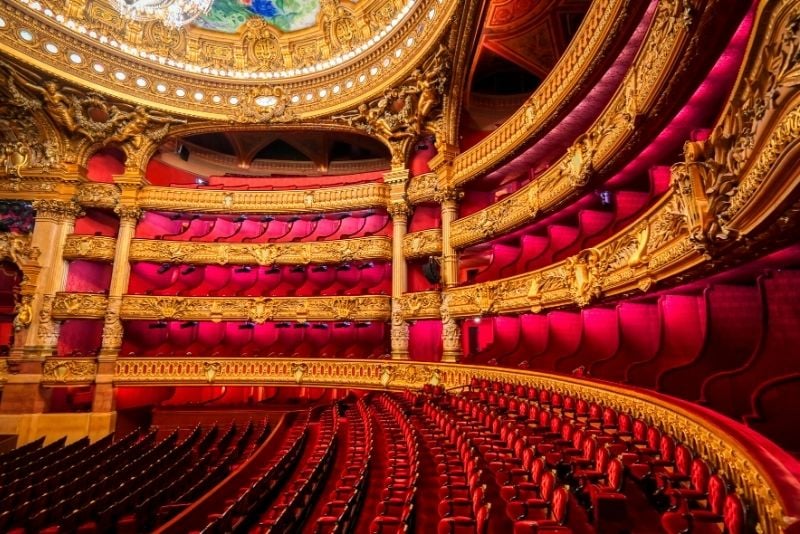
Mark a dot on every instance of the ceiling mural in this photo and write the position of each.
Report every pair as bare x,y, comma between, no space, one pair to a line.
229,16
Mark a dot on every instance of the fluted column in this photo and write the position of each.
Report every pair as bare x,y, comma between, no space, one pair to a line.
36,333
399,210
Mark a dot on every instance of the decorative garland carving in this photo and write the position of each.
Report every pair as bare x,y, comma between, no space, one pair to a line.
79,306
423,243
421,305
399,328
98,195
421,188
89,247
319,252
451,331
69,371
258,310
362,196
664,43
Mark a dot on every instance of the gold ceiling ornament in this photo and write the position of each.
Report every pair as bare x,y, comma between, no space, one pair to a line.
264,105
258,309
423,243
89,119
206,74
351,197
666,43
721,445
171,13
406,112
421,305
89,247
265,254
68,371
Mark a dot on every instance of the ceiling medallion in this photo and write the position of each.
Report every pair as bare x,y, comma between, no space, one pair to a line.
173,13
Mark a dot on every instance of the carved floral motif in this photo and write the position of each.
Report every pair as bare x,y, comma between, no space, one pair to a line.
70,371
423,243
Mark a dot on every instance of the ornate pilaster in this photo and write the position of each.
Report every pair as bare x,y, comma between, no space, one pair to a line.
451,333
399,209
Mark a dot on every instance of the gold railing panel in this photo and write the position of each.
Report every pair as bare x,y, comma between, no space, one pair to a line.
89,247
423,243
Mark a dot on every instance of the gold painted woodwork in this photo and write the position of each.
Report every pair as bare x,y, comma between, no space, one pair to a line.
361,196
17,248
422,188
585,53
98,195
421,305
69,371
257,309
319,252
423,243
616,126
217,51
89,247
79,306
718,445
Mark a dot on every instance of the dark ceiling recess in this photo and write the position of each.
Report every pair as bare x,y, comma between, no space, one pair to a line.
281,150
496,75
215,142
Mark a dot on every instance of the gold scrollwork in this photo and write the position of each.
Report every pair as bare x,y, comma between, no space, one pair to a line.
69,371
362,308
89,247
18,249
421,305
79,306
423,243
320,252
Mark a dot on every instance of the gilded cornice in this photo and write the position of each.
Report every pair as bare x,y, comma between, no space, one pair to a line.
98,195
584,57
69,371
79,306
639,92
421,305
89,247
258,310
422,188
725,447
318,252
371,195
224,81
423,243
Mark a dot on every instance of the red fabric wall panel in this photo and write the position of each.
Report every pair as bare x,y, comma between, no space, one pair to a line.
425,340
599,339
640,337
104,164
97,222
80,335
88,276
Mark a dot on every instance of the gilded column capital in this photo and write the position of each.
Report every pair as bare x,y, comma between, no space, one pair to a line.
447,195
128,214
59,210
399,210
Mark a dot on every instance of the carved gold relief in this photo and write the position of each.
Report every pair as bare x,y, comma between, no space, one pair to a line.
362,308
79,306
423,243
89,247
69,371
422,188
360,196
322,252
421,305
18,249
98,195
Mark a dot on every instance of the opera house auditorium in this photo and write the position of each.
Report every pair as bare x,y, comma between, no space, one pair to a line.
400,266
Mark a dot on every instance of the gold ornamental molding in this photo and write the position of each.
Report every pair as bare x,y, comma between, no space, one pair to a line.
17,248
257,310
98,195
423,243
361,196
724,446
79,306
422,188
318,252
89,247
651,72
421,305
68,371
256,75
583,58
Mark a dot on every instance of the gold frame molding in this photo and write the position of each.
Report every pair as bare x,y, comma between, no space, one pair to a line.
89,247
423,243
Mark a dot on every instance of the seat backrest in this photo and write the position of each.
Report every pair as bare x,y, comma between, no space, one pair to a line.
478,498
544,396
733,515
556,400
700,474
616,472
625,423
595,411
717,491
640,430
581,408
566,431
683,460
577,439
482,519
537,470
666,448
569,404
589,447
555,424
601,459
609,417
547,486
560,505
653,438
528,456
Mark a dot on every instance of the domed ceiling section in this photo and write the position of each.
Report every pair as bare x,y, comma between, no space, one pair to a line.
243,60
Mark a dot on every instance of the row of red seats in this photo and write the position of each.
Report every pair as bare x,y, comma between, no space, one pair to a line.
279,229
395,511
262,488
290,511
24,450
358,278
610,444
344,502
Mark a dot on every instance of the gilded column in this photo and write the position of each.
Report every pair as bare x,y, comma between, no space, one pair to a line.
36,335
399,210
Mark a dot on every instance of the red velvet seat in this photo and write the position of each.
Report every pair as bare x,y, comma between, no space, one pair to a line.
467,525
535,507
525,490
725,513
557,517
